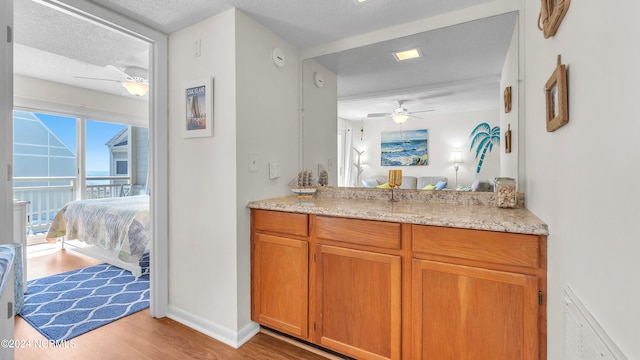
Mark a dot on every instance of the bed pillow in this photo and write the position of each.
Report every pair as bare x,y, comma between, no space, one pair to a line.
482,185
474,186
429,187
463,188
384,186
441,185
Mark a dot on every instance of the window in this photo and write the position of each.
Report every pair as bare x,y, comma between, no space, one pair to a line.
121,167
105,145
52,166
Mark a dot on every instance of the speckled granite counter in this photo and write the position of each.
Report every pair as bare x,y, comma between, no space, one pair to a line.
438,208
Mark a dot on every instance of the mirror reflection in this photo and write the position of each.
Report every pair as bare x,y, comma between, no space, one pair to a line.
438,117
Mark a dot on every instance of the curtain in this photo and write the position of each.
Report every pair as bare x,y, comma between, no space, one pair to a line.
347,158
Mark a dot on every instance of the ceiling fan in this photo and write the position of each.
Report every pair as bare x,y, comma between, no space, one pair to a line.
399,114
134,79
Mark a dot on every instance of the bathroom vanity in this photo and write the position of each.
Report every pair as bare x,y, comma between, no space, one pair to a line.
446,276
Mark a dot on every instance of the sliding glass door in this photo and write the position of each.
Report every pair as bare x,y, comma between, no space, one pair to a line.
60,158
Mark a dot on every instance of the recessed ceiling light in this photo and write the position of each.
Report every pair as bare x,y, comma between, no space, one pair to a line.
407,54
359,2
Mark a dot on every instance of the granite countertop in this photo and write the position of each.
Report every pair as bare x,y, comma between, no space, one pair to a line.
450,209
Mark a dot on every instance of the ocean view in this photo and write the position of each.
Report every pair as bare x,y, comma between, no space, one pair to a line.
97,174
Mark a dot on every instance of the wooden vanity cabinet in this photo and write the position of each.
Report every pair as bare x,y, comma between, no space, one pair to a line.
279,271
477,294
384,290
357,272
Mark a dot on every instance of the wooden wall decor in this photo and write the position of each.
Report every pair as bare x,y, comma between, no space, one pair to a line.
551,14
507,99
556,98
507,140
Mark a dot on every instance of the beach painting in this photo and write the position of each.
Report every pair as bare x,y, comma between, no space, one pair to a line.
404,148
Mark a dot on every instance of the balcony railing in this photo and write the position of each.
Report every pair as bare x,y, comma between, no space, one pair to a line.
47,195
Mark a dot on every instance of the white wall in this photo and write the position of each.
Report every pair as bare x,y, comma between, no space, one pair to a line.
267,125
41,94
255,111
320,128
582,179
509,161
202,182
446,133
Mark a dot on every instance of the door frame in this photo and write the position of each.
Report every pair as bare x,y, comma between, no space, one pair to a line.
158,131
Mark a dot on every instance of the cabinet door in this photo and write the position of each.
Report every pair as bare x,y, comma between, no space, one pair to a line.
467,313
280,284
358,302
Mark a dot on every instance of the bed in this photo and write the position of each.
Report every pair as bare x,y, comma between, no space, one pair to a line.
114,230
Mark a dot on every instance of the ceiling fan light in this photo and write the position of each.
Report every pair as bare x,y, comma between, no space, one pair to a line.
400,118
136,88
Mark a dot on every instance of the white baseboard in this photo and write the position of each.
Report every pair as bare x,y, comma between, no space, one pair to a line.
220,333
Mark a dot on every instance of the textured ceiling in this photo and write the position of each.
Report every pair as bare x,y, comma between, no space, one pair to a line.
475,49
55,46
459,71
309,23
47,29
303,23
60,48
167,15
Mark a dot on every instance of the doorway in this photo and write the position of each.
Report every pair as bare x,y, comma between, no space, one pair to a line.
157,123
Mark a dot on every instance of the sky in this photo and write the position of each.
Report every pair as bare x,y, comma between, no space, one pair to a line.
98,133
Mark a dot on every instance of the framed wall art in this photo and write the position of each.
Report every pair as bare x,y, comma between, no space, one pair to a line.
404,148
507,140
556,98
507,99
551,14
198,108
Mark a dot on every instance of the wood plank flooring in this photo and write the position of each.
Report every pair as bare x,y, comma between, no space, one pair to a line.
139,336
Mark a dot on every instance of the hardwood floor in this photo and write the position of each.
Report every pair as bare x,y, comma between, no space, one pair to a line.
139,336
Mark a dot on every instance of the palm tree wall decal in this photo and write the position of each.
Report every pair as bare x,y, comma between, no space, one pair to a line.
483,138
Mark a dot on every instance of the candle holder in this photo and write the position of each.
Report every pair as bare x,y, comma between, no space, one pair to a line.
395,180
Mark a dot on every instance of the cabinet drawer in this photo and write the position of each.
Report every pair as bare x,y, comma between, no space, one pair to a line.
362,232
487,246
281,222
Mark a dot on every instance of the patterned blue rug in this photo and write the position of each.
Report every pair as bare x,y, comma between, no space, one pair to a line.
66,305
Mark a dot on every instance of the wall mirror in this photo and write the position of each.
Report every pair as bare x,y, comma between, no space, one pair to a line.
456,84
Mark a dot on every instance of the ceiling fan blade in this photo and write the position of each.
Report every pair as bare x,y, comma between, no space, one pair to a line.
377,115
422,111
433,96
92,78
125,76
